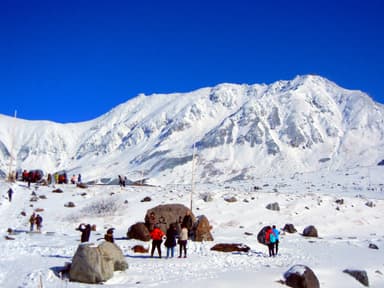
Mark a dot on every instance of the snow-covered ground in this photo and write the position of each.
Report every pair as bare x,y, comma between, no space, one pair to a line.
345,231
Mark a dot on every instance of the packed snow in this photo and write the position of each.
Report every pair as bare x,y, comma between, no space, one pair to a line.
345,230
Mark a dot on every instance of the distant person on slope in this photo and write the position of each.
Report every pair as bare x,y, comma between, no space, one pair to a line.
39,222
32,221
10,193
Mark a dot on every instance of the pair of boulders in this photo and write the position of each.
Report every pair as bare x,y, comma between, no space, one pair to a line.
301,276
96,264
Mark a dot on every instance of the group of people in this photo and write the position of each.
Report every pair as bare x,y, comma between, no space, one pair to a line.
272,236
172,236
75,179
37,220
122,181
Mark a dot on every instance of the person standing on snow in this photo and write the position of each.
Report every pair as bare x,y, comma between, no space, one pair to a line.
39,222
85,230
10,193
170,242
183,238
157,238
270,240
32,221
277,236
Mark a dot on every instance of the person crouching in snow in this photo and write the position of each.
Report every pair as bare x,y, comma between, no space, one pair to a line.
157,238
109,236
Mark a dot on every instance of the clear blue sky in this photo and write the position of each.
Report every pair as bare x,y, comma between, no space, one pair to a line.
74,60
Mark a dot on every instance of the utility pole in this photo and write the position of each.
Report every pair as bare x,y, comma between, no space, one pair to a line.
193,174
11,177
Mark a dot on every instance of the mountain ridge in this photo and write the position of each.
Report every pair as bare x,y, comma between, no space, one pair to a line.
240,131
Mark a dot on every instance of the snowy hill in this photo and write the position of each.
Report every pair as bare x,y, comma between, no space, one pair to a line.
240,131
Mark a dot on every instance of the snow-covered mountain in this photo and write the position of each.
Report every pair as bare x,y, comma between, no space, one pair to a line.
238,131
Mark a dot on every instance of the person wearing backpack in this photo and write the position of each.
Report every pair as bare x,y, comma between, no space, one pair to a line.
270,240
277,235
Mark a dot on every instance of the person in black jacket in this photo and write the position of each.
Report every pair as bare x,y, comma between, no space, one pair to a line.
170,242
85,230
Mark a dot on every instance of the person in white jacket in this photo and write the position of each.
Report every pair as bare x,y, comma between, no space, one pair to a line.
183,238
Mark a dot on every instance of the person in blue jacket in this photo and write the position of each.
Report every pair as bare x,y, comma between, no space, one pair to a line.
277,234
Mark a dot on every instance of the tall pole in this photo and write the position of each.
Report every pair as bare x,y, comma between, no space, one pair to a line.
193,174
10,173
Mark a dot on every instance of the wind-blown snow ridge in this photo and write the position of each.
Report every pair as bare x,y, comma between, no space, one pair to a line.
241,131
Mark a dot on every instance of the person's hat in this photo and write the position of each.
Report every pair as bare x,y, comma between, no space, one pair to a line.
110,230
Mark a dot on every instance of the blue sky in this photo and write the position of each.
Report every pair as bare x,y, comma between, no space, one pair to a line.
71,61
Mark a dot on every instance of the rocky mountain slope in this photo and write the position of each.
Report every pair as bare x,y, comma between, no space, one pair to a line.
238,132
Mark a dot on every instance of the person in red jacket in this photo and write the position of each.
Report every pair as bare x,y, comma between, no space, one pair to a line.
157,238
270,240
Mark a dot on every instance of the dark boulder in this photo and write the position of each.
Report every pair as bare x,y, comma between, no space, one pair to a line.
310,231
232,247
359,275
373,246
301,276
139,231
289,228
261,235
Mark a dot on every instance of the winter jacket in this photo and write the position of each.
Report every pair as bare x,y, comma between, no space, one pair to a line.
171,237
157,234
277,233
268,236
183,234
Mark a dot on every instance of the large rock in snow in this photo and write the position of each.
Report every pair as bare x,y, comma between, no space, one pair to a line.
168,214
359,275
203,230
301,276
139,231
310,231
93,264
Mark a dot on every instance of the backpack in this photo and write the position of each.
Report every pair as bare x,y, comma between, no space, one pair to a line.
272,237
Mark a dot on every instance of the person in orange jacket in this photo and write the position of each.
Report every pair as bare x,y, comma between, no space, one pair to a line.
157,238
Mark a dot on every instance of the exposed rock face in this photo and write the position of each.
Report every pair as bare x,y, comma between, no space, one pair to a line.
203,230
232,247
301,276
359,275
93,264
139,231
310,231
